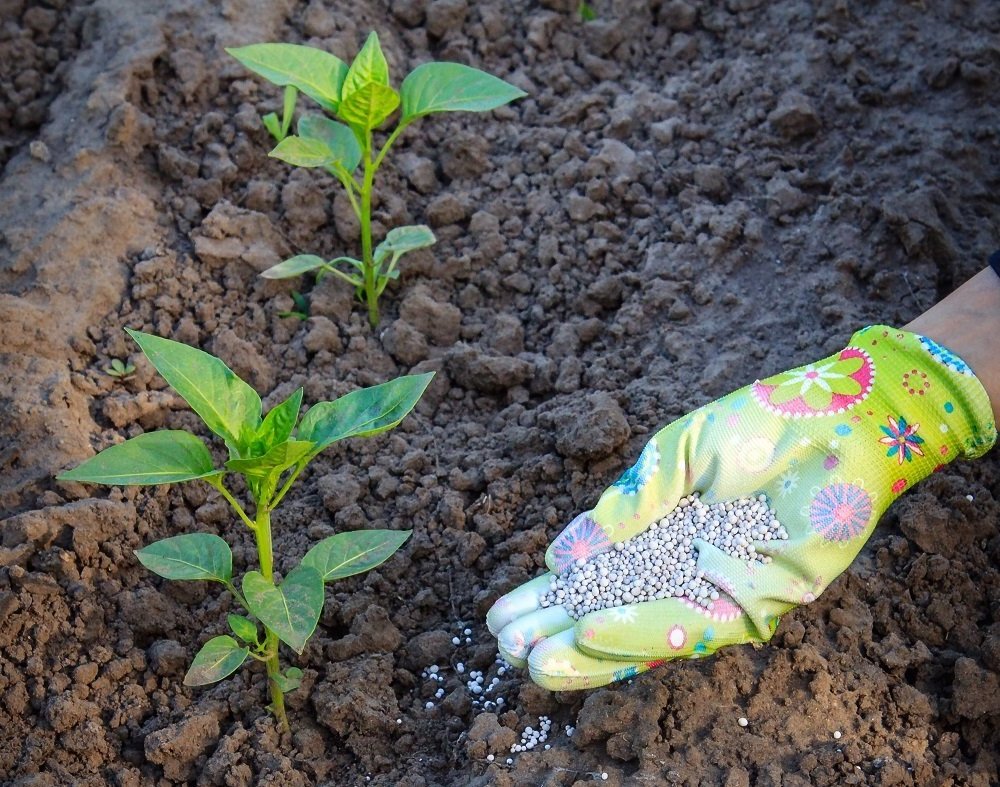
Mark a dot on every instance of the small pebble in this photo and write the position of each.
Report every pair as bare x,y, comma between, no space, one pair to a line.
39,150
743,721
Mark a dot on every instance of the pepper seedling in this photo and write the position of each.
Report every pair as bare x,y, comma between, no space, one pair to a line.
301,310
279,128
119,369
270,453
362,99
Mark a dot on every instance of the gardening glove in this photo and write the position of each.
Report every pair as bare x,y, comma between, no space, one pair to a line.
831,445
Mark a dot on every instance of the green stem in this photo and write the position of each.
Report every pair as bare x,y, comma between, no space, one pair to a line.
266,556
291,480
351,198
216,481
388,143
340,274
385,278
366,232
236,594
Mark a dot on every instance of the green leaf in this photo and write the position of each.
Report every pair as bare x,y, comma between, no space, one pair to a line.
316,73
279,422
290,681
191,556
346,554
273,125
288,109
368,106
301,152
368,67
227,405
452,87
400,240
364,412
164,457
278,459
218,658
292,610
301,303
294,266
244,628
337,137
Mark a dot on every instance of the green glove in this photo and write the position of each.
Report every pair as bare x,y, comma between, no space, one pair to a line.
831,444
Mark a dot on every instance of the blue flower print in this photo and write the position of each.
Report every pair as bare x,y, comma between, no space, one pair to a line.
636,477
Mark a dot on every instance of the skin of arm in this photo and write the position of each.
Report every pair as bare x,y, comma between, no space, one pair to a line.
968,322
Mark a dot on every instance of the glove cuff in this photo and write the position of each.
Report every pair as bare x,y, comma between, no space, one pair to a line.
936,387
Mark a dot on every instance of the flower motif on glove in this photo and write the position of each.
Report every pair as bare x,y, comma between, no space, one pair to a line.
636,477
582,538
626,672
840,512
624,614
823,388
902,439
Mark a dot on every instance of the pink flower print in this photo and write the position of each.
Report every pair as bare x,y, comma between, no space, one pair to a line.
902,439
582,539
823,388
840,512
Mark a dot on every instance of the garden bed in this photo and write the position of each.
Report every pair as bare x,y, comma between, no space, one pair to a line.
693,195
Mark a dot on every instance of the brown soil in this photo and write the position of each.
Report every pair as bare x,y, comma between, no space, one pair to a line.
694,194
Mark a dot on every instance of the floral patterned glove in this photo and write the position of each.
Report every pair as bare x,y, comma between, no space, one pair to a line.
831,444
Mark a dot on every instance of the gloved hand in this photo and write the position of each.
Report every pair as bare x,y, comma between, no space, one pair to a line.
831,444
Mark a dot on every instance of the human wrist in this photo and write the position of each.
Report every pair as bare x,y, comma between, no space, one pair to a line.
930,384
967,322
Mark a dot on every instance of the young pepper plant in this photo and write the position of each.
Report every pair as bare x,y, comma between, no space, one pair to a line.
362,99
269,452
279,128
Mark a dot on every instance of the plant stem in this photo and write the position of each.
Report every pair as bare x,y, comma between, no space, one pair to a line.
388,143
216,481
237,595
371,297
291,480
264,552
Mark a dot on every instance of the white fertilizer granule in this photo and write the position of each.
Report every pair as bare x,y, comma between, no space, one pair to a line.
662,561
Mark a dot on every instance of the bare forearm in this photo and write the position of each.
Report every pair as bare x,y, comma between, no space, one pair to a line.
968,323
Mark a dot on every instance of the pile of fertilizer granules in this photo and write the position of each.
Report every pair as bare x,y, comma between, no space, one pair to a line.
662,561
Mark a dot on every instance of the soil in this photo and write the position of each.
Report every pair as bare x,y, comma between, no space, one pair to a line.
693,195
